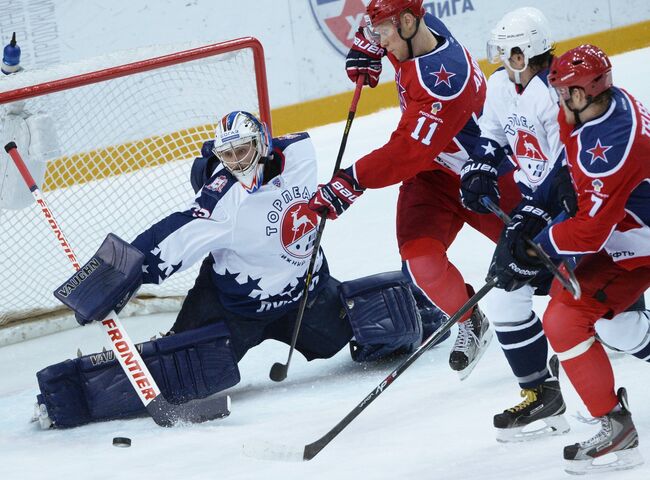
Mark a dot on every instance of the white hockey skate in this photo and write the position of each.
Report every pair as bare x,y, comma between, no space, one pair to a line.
539,415
614,447
474,337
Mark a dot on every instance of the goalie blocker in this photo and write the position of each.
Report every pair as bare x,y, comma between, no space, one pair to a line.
387,314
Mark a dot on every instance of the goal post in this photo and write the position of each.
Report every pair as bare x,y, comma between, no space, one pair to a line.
128,126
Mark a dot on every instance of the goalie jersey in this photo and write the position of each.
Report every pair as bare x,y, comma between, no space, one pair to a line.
261,243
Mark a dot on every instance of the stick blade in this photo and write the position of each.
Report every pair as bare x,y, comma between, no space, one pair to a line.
278,372
264,450
201,410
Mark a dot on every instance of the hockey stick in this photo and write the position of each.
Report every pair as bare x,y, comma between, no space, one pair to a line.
279,370
570,282
163,413
282,452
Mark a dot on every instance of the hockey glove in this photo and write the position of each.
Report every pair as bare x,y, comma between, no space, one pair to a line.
564,191
478,179
335,197
526,222
364,58
512,273
107,282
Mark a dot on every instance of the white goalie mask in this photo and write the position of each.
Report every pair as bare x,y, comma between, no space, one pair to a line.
240,142
525,28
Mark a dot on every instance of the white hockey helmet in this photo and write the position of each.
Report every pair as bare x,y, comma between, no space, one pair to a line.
525,28
240,142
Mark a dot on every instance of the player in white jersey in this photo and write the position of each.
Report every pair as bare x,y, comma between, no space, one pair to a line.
250,218
519,128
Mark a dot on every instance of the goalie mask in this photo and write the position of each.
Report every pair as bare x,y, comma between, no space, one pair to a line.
241,142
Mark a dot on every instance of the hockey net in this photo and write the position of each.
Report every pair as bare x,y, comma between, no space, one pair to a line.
129,126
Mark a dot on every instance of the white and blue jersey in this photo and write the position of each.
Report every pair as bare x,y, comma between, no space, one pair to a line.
522,126
261,243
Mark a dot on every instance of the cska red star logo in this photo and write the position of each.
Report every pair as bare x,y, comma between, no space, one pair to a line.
598,152
443,76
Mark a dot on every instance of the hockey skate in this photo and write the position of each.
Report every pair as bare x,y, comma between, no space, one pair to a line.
41,416
474,336
614,447
543,403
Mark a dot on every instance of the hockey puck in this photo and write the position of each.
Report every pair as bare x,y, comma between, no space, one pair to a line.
122,442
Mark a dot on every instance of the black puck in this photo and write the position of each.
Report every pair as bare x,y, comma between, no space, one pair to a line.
122,442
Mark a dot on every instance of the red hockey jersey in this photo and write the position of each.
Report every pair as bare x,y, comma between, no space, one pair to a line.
609,161
441,95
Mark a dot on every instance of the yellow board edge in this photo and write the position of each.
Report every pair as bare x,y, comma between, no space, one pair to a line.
322,111
110,161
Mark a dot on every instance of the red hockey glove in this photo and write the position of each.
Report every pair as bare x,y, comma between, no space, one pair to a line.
335,197
364,58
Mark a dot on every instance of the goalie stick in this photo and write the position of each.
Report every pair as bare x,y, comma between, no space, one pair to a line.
269,451
279,370
163,413
569,281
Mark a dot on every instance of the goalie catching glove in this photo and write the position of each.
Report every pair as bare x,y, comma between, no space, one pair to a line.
335,197
107,282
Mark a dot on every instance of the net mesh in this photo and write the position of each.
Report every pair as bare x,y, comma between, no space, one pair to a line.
126,148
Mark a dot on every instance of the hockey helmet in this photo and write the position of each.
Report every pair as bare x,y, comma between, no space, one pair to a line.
525,28
379,11
240,142
586,66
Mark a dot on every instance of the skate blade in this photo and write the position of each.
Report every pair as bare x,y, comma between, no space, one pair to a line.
463,374
620,460
556,425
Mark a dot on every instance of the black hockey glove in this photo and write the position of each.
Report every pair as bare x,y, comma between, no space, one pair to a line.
564,191
526,222
364,58
478,179
512,264
512,273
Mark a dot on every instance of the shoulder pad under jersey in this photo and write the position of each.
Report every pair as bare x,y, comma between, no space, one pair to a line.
444,73
280,143
605,142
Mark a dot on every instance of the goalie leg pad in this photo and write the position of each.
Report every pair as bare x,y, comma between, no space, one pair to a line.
107,282
383,314
186,366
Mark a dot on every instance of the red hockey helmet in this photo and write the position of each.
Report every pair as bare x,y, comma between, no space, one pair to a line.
382,10
586,66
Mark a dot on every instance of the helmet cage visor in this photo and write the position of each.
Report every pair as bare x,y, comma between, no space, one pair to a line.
241,157
238,156
500,52
384,28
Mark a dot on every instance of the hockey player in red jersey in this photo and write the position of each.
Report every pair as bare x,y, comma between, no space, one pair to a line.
441,92
606,133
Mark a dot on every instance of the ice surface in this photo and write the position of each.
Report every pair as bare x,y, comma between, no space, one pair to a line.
428,425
